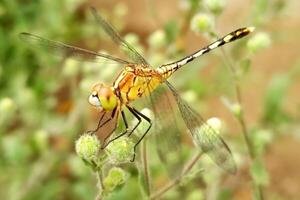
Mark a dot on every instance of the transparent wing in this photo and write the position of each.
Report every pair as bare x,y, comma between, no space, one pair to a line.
209,141
114,35
62,49
107,124
168,127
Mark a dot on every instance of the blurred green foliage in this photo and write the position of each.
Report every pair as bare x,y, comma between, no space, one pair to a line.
44,109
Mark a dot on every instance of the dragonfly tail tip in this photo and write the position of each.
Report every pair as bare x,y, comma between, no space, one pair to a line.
251,29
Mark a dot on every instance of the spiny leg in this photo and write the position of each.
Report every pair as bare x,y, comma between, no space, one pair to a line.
126,125
99,124
145,133
132,110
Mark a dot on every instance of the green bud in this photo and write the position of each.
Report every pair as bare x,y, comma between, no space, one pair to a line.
7,105
87,147
40,140
7,109
258,41
116,177
190,96
215,123
132,38
202,23
120,150
236,109
215,6
157,39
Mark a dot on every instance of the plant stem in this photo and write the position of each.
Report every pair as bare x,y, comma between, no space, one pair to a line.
187,168
146,167
100,185
241,118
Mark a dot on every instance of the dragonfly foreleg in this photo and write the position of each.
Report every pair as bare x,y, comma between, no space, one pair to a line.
99,124
126,125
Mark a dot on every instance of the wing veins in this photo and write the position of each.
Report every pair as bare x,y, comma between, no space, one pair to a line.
68,50
114,35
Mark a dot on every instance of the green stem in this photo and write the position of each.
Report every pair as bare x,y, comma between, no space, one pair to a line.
100,185
178,179
241,118
146,167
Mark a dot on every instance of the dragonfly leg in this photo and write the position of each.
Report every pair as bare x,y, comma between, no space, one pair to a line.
105,144
126,125
99,124
140,115
132,110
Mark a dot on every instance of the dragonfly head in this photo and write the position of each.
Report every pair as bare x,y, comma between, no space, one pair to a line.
103,97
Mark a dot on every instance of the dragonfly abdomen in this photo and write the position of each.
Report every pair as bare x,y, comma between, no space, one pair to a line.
168,69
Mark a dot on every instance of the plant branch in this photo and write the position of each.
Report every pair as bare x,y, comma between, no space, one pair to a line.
187,168
100,185
241,118
146,167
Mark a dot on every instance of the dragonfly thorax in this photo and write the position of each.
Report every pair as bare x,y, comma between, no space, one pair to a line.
103,97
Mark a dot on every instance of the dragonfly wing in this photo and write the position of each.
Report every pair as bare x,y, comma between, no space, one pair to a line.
209,140
107,124
62,49
114,35
168,129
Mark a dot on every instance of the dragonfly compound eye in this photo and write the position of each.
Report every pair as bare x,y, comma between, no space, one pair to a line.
94,100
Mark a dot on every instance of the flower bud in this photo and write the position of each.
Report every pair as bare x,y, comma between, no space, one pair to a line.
258,41
40,140
7,105
87,147
7,109
157,39
120,150
236,109
202,23
215,6
116,177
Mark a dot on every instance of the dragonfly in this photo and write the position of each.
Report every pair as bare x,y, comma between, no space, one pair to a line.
137,80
